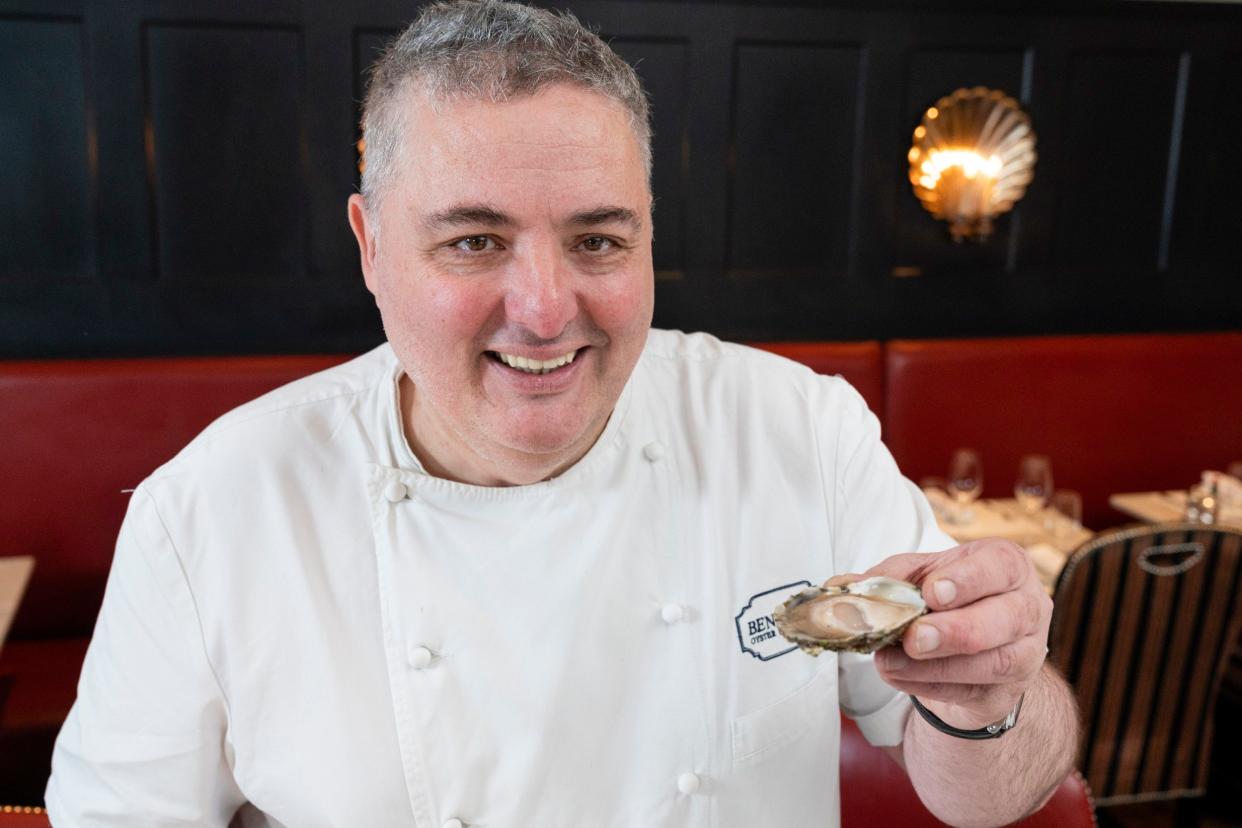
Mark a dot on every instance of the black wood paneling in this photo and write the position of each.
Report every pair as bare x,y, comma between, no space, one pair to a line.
1213,210
1116,144
46,227
794,160
226,153
178,169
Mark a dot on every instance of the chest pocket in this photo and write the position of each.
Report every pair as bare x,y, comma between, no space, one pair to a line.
765,732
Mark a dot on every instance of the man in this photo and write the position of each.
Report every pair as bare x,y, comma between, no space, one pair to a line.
515,567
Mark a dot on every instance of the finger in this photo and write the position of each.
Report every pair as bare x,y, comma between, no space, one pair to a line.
844,578
912,567
991,622
981,568
968,695
1016,661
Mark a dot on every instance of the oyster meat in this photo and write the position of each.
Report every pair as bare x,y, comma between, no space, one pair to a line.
860,617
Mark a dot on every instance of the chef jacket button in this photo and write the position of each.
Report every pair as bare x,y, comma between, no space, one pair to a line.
653,451
420,658
395,491
688,783
454,823
672,613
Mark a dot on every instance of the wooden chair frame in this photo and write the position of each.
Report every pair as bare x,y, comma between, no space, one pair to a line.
1144,622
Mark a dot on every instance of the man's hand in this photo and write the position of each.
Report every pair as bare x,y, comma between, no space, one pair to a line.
970,659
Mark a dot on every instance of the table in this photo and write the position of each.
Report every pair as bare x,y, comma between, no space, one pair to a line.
1048,536
1168,507
14,573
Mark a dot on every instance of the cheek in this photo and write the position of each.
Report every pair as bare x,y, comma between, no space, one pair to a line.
435,312
626,305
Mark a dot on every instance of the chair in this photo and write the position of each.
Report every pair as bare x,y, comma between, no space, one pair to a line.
1143,627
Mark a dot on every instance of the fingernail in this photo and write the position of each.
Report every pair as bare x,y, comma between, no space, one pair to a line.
945,591
927,638
894,659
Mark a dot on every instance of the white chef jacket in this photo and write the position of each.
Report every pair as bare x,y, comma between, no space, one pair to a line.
302,624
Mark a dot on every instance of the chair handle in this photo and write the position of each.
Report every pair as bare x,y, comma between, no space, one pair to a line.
1170,558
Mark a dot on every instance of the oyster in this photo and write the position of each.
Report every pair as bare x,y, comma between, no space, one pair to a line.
861,617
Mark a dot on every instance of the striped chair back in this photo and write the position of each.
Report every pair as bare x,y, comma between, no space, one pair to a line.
1144,622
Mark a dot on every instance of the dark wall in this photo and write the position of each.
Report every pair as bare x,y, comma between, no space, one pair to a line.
175,171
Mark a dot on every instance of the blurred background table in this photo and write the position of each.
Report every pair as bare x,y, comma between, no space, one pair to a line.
1047,535
1167,507
14,574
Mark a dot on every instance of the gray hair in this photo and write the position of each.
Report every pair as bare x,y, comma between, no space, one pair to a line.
488,50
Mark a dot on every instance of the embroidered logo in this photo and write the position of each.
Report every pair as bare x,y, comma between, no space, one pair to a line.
756,631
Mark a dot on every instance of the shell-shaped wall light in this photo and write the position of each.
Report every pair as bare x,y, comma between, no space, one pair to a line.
973,156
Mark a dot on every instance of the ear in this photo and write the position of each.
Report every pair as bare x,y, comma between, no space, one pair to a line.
364,231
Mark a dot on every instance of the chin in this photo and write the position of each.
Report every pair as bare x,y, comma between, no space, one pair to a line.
542,444
546,438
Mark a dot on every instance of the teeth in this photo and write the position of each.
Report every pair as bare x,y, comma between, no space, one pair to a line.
536,366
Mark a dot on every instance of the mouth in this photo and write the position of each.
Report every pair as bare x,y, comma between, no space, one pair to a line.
528,365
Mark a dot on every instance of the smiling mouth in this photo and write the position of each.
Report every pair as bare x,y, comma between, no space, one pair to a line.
533,366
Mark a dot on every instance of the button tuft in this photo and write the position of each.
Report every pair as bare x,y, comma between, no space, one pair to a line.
420,658
688,783
672,613
395,491
653,451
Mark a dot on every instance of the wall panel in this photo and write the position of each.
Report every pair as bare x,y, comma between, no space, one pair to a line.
226,154
794,160
178,169
46,213
1115,159
1216,247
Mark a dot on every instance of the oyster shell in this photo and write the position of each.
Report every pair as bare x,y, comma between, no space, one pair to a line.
861,617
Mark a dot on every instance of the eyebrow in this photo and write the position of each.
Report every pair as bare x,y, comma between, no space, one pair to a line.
466,215
607,215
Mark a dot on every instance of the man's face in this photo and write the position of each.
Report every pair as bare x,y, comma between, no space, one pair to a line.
512,232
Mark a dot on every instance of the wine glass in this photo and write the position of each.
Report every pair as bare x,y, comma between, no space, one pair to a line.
1034,484
1202,503
965,481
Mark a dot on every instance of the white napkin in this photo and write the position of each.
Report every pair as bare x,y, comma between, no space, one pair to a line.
1048,561
1228,488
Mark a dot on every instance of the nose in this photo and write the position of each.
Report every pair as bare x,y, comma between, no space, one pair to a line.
540,296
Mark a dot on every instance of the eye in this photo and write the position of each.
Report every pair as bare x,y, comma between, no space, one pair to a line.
598,244
475,244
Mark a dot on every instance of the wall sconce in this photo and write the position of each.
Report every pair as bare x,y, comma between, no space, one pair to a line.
972,157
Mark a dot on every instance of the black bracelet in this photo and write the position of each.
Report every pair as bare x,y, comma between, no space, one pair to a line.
992,731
